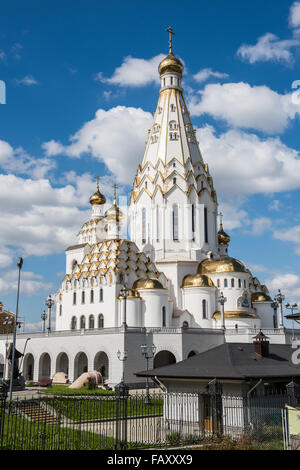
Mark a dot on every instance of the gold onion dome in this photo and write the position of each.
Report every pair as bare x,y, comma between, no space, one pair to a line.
147,284
197,280
97,197
170,64
260,297
223,237
114,213
222,265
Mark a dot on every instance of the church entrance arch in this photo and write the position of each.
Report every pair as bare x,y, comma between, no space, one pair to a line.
163,358
44,366
28,366
62,363
101,364
80,364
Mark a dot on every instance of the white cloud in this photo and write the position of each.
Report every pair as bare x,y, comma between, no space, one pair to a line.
255,165
269,48
294,18
31,284
260,225
134,72
288,283
245,106
19,162
28,80
116,137
275,205
206,73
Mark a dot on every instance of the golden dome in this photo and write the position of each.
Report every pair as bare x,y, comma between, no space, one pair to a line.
222,265
131,293
197,280
97,197
170,64
260,297
223,237
114,213
147,284
234,314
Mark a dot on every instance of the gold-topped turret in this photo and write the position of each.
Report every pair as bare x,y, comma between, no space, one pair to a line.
170,63
114,212
223,237
97,197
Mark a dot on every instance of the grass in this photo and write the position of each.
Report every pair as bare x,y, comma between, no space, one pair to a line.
65,390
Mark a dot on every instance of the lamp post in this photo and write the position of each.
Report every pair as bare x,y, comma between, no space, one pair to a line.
49,303
19,264
279,298
122,357
124,293
292,307
148,351
222,301
44,318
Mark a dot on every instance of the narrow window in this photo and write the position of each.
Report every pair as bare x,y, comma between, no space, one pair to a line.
218,283
175,222
82,322
157,224
193,222
92,296
91,322
232,282
101,321
205,225
73,323
174,180
171,80
101,295
240,283
225,283
245,284
74,298
204,309
164,316
82,297
60,310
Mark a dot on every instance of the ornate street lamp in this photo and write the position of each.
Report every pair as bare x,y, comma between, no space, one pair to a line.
279,298
49,303
122,357
148,351
124,293
44,318
292,308
222,301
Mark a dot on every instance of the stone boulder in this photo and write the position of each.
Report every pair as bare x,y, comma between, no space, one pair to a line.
94,377
60,378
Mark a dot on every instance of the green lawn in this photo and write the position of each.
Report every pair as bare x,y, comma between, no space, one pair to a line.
65,390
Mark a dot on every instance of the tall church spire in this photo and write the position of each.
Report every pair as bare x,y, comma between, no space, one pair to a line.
172,171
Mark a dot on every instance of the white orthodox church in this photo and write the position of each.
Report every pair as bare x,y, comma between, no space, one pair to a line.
173,284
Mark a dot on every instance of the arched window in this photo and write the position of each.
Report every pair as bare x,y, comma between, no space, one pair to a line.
185,324
73,323
240,283
92,296
204,309
60,310
245,283
100,321
101,295
164,319
232,282
74,298
225,283
143,225
82,322
91,322
82,297
175,222
174,180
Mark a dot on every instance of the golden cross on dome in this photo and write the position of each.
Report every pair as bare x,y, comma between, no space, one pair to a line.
98,180
170,31
221,219
115,193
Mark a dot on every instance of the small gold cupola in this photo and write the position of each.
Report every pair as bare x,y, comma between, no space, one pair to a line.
223,237
170,63
97,197
114,212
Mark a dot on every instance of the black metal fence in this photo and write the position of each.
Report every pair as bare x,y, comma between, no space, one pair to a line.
125,421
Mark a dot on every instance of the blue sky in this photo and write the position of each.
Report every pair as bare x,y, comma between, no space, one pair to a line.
81,82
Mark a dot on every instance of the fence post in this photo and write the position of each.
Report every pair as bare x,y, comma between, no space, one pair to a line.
3,397
215,389
122,393
293,392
